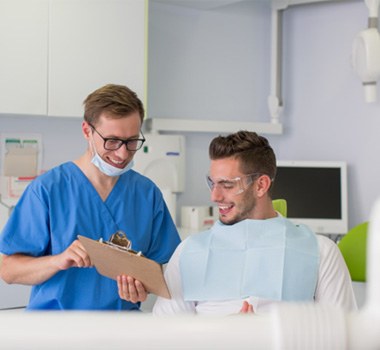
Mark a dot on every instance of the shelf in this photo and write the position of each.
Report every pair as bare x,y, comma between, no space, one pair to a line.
199,4
218,126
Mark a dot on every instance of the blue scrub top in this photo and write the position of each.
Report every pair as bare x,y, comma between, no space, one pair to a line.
62,204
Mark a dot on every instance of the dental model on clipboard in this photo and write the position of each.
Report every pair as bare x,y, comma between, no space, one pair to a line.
115,257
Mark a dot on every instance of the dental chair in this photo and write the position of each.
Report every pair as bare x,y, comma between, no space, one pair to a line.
353,247
280,205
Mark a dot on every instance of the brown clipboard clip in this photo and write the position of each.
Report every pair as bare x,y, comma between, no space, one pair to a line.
120,240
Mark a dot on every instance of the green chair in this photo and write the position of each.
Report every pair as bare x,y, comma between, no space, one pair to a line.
353,247
280,205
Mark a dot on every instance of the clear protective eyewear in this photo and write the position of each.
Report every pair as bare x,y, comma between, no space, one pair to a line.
233,186
113,144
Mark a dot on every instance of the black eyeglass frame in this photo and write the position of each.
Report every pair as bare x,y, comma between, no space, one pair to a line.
122,142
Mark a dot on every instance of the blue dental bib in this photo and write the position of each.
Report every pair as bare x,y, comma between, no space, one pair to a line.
271,259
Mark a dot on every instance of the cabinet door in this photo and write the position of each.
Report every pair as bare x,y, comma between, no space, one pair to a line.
92,43
23,59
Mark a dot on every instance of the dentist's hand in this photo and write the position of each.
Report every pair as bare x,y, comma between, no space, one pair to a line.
74,256
130,289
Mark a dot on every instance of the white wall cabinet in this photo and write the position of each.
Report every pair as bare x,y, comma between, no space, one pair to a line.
61,50
24,56
92,43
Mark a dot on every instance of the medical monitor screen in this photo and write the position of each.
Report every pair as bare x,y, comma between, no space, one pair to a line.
315,193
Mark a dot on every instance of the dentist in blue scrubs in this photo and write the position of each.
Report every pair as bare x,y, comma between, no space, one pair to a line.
94,196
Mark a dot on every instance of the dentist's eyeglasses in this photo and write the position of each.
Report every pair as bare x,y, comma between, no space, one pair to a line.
113,144
233,186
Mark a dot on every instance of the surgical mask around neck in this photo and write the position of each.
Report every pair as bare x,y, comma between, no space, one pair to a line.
109,169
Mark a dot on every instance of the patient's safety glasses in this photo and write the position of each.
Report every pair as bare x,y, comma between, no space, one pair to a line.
233,186
113,144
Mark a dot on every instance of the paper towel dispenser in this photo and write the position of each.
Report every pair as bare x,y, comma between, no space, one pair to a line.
162,159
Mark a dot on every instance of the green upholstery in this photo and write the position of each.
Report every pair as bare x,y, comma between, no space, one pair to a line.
280,205
354,247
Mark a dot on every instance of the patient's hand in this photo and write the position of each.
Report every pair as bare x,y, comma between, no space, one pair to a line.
247,308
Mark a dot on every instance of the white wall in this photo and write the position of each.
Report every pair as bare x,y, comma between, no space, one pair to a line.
215,65
208,65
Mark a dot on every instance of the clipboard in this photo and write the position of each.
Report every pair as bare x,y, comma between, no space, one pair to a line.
111,261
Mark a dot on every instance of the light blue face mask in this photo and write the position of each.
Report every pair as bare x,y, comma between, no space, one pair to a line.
109,169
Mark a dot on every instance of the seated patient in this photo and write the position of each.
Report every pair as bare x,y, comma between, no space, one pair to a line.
252,257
